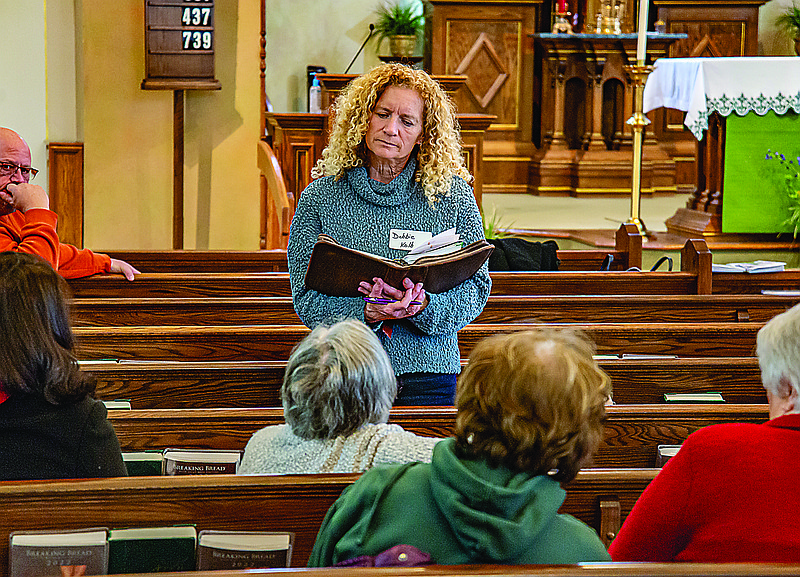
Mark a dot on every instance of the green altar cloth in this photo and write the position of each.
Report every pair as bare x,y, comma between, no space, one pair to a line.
754,199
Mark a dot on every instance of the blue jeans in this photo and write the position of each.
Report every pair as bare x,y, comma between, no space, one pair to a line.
426,389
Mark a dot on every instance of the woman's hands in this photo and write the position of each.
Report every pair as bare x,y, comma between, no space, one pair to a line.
401,308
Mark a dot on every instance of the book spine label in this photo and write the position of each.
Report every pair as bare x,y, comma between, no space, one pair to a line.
212,558
186,468
58,561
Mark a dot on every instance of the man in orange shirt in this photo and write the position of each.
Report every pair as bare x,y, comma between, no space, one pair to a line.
28,225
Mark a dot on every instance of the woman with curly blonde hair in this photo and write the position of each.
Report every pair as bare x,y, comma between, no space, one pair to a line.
391,177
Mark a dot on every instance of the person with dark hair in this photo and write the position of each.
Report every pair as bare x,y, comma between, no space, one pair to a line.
337,391
50,425
28,225
530,414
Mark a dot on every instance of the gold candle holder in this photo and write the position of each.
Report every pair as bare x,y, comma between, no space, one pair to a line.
561,24
638,74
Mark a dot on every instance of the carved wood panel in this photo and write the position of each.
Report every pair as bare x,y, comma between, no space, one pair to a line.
489,43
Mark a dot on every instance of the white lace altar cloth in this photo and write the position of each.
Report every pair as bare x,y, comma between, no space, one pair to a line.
700,86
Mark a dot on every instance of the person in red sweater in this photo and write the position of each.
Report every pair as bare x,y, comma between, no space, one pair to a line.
28,225
730,494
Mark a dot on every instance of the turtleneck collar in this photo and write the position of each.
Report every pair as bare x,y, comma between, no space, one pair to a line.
393,193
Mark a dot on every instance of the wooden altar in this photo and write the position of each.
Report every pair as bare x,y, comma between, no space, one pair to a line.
587,97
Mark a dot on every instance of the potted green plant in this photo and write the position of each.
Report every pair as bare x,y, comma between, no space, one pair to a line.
789,21
400,23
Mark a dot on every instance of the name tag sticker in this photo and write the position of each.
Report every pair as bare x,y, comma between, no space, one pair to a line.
407,239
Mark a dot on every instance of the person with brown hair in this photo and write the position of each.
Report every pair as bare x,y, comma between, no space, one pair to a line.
50,425
392,176
531,407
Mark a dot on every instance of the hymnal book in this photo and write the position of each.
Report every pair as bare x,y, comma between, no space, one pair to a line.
143,463
750,267
243,550
665,453
201,462
693,398
337,270
118,405
58,554
152,549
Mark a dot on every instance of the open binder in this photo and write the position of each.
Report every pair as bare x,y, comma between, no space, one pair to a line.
336,270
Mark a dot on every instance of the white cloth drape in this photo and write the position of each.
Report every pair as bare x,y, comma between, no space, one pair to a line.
700,86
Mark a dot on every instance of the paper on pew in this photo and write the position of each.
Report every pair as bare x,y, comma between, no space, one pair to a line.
750,267
694,398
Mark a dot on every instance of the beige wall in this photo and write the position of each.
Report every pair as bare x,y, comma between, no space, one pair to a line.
773,42
319,33
128,135
23,90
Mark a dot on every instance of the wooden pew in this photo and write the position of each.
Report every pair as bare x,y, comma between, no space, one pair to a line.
261,502
633,432
193,284
498,309
626,253
160,385
606,569
728,283
216,261
694,278
274,342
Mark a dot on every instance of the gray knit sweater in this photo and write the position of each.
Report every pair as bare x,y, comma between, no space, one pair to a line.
358,212
277,449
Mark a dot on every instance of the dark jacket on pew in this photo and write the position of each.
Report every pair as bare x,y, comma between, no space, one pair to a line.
35,446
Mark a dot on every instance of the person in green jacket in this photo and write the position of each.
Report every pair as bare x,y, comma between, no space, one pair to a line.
530,414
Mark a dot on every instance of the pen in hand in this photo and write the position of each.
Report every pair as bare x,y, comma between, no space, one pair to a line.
385,301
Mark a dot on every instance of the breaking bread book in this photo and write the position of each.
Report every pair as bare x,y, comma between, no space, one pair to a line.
243,550
58,553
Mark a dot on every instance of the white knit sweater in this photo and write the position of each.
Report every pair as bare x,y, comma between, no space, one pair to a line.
277,449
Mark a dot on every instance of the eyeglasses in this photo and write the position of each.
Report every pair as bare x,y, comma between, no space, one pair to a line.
9,168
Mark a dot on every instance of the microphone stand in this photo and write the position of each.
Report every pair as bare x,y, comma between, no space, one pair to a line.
371,30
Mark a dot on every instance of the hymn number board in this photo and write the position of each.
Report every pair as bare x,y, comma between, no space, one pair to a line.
179,45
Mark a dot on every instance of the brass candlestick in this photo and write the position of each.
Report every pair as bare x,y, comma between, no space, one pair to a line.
638,73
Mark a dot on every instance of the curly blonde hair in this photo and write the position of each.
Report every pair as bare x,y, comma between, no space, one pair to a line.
533,401
439,157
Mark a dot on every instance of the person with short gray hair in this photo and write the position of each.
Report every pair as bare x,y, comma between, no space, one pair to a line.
730,494
337,392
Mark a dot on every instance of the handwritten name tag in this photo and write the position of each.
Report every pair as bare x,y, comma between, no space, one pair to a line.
407,239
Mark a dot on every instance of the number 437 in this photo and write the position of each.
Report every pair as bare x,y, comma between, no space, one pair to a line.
196,16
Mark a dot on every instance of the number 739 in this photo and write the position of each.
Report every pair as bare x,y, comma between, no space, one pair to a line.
195,40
